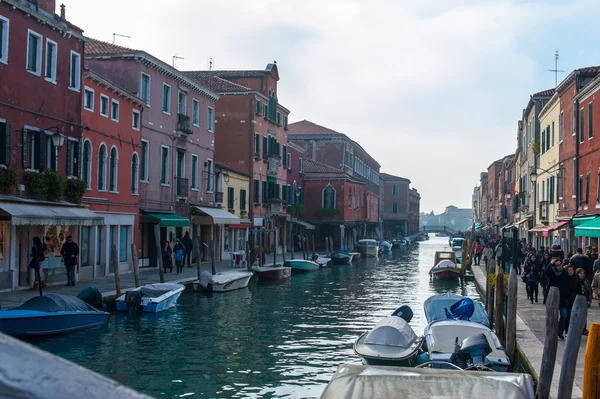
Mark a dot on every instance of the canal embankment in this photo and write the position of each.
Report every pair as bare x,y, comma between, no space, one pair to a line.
531,332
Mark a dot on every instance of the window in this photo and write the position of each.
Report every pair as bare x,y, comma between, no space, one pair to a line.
194,172
574,178
211,119
134,173
580,192
284,157
51,53
87,163
34,52
561,127
114,172
265,194
4,23
285,122
135,119
182,103
598,190
289,160
242,200
266,111
543,146
395,189
104,105
72,158
166,100
394,207
145,88
587,188
88,99
590,121
548,138
581,125
551,190
256,145
164,165
75,71
552,133
102,168
123,243
195,112
34,149
209,177
329,197
114,110
144,169
278,118
256,193
51,152
258,107
299,165
230,198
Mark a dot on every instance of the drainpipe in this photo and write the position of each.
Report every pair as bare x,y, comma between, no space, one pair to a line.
576,127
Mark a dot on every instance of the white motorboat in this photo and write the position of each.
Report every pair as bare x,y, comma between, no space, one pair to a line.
222,281
154,297
445,266
368,247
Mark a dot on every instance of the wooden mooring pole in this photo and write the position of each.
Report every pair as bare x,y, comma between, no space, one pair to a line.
327,246
550,344
573,340
159,252
591,364
499,324
284,241
213,260
511,315
115,261
197,247
134,263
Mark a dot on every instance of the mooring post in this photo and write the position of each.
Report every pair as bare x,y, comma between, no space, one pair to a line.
550,344
327,246
196,244
591,364
500,303
134,262
115,260
284,242
573,340
159,252
511,315
213,260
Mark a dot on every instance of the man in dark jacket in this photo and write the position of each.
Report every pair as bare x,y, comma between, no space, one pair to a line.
188,244
557,277
69,252
579,260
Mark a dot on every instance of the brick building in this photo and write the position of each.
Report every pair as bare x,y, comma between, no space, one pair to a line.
395,192
414,209
495,184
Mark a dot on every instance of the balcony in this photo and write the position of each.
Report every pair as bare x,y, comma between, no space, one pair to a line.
183,124
274,209
273,166
218,197
181,187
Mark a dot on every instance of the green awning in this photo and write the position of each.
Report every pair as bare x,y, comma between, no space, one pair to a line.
591,228
577,221
169,219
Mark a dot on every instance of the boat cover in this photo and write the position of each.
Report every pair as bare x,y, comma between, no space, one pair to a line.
461,310
206,278
367,241
156,290
435,306
56,303
91,295
392,331
357,381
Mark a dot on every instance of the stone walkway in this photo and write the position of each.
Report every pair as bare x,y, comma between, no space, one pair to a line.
531,333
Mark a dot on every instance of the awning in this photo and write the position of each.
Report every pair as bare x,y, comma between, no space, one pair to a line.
538,228
520,222
579,220
50,215
590,228
240,226
553,227
168,219
215,215
509,226
307,226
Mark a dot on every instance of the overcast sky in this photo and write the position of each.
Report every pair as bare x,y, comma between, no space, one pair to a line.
432,89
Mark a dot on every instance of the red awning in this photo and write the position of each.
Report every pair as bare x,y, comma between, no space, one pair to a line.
240,226
538,228
553,227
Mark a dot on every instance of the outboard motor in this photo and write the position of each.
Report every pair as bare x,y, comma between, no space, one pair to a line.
474,349
133,300
404,312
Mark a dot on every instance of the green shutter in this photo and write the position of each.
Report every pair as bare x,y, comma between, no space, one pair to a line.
265,147
40,148
25,149
5,141
264,192
69,155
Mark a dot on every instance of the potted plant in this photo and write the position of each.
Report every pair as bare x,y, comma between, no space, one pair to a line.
75,190
8,179
327,212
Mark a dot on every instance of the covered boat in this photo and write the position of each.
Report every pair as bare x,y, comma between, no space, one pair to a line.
51,314
399,242
392,342
356,381
436,307
273,272
386,246
155,297
342,257
368,247
222,281
445,266
301,265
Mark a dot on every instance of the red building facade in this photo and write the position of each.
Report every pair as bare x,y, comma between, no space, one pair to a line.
395,206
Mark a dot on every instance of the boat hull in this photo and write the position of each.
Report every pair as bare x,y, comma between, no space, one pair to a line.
153,305
368,250
449,274
273,273
227,283
302,266
341,258
33,323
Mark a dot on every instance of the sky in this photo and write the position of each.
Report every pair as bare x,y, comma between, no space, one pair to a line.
432,89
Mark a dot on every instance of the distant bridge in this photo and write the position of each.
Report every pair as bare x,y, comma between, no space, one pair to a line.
432,229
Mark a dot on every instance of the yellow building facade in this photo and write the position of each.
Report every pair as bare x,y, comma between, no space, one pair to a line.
235,189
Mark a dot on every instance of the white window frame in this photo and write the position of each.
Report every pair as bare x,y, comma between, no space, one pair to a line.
136,178
145,165
195,183
88,178
149,87
4,45
182,105
106,162
210,164
323,195
168,112
77,86
168,169
102,96
87,89
38,71
210,125
116,190
53,66
31,155
195,112
112,103
139,120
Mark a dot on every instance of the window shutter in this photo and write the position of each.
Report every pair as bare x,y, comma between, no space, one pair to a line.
284,194
76,169
6,143
284,154
41,150
69,155
264,192
265,147
25,148
277,194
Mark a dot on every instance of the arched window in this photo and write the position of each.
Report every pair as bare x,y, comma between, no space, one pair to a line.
329,197
394,207
86,170
102,168
114,159
134,174
395,189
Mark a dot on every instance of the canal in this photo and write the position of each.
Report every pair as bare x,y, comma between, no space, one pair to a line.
273,341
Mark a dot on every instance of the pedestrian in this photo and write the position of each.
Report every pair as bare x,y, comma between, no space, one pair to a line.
178,251
596,268
584,289
498,253
556,278
557,252
532,283
488,255
38,256
167,257
70,252
478,252
542,277
571,290
529,266
596,287
188,244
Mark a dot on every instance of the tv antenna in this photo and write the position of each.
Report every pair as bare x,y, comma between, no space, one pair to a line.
176,57
117,34
555,70
211,62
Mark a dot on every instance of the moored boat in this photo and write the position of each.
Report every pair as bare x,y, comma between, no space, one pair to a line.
355,255
445,266
399,242
301,265
222,281
386,246
435,308
368,247
273,272
154,297
49,315
342,257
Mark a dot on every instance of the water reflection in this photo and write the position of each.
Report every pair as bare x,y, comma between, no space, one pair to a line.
270,341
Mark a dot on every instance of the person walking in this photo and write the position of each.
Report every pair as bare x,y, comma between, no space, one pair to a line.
478,252
167,253
556,278
178,251
542,277
571,290
579,260
188,244
532,283
70,252
596,267
488,256
584,289
596,287
37,256
498,253
529,266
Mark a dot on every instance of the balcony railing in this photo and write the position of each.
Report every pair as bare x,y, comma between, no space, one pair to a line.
181,187
183,124
219,197
274,210
274,166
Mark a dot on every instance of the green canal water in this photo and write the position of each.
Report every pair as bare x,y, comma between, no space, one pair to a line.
271,341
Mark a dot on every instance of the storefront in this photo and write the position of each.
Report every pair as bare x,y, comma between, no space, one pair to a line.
210,224
171,226
587,231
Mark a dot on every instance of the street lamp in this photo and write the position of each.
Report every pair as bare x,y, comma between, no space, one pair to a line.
226,178
58,140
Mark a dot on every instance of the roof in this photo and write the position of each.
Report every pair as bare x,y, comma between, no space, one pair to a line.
544,93
537,96
387,176
215,82
309,165
591,70
98,47
95,76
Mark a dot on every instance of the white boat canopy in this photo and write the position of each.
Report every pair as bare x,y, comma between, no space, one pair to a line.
392,331
368,241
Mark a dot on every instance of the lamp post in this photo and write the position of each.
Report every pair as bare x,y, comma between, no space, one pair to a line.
58,140
226,178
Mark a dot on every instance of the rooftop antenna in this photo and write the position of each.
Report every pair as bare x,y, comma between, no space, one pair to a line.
176,57
211,62
117,34
555,70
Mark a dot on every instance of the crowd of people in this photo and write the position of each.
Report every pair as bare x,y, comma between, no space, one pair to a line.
542,268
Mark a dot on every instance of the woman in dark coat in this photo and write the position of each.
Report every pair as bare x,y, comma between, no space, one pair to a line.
585,290
167,258
37,256
571,289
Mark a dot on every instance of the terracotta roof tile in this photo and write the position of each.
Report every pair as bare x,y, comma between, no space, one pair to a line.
307,127
215,82
98,47
544,93
309,165
387,176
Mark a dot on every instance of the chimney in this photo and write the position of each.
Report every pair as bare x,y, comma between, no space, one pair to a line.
47,5
62,12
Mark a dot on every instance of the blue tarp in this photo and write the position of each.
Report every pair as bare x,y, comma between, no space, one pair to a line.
461,310
436,305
